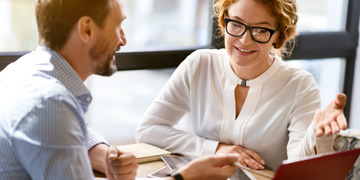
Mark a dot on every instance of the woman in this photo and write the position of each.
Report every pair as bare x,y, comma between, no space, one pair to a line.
244,99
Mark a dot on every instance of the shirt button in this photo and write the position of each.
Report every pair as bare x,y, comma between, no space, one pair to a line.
88,99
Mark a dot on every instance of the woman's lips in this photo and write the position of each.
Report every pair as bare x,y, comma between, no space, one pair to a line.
244,51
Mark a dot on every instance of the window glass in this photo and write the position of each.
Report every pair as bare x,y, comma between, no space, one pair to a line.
328,73
167,23
150,24
18,30
121,100
321,15
155,24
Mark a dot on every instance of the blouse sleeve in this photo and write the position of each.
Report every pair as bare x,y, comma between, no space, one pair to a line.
173,102
302,140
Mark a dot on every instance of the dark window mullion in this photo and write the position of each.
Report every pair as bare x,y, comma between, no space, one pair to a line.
153,59
352,27
323,45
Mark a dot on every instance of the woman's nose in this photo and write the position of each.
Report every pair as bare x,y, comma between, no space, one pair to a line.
246,38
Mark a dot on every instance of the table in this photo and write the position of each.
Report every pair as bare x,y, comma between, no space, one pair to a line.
149,167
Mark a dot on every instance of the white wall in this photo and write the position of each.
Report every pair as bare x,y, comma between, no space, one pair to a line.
355,101
5,21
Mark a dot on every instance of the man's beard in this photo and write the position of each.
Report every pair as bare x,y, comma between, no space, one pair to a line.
100,65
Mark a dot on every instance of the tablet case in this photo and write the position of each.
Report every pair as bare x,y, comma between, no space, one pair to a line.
332,166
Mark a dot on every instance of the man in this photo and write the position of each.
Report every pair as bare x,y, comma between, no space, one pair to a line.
43,134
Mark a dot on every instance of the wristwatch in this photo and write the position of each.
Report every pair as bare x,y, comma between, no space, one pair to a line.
177,176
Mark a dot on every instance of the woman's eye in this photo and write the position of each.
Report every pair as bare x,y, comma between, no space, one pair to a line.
236,25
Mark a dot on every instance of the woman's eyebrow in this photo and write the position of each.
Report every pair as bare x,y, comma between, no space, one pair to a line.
259,23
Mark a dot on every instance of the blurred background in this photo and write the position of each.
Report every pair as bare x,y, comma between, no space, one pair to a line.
120,101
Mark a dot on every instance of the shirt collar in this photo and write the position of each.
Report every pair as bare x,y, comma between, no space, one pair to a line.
68,76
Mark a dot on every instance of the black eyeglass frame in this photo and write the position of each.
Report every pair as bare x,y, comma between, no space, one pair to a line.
250,28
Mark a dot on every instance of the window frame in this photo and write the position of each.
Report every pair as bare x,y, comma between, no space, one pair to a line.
308,46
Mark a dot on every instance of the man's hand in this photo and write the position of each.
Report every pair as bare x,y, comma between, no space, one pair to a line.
120,165
246,157
210,167
331,119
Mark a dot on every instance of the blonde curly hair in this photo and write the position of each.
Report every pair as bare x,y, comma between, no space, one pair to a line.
284,10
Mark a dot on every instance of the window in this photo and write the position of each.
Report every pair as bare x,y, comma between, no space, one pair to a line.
19,30
150,24
120,101
159,24
328,73
339,41
322,15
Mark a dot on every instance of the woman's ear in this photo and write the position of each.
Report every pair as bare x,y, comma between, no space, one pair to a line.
276,41
274,44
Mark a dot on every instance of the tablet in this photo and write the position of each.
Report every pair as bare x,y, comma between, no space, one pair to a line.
176,162
161,173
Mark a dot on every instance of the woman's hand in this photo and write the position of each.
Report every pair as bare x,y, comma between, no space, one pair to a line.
247,157
331,119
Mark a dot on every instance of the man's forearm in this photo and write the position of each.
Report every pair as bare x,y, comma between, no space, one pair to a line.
97,157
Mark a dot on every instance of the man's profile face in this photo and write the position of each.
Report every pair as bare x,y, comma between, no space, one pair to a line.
108,41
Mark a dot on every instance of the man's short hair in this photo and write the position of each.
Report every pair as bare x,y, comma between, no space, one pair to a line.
56,18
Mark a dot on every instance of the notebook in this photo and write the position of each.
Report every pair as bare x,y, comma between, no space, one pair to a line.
144,152
332,166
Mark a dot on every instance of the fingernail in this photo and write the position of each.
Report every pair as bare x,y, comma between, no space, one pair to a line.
112,156
261,167
262,162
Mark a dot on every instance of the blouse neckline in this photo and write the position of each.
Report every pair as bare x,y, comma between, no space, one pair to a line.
258,80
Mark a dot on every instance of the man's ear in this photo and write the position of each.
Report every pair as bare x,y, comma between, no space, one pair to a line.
85,28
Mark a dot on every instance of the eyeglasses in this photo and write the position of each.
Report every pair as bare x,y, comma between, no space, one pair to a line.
258,34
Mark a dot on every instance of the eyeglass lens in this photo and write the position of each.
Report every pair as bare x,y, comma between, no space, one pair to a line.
237,29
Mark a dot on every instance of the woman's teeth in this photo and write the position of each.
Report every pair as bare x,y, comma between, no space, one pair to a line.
245,50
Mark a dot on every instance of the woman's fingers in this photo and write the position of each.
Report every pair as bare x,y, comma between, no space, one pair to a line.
340,101
255,156
247,157
332,119
253,164
318,126
327,130
341,120
242,162
251,158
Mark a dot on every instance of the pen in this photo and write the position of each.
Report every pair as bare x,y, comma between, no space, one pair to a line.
238,165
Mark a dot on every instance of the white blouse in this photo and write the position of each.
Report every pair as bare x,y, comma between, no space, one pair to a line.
275,120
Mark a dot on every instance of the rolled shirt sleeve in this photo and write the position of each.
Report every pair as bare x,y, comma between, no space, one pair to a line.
95,139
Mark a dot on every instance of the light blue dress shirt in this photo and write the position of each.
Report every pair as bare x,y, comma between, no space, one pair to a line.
43,134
